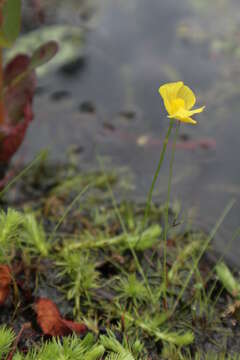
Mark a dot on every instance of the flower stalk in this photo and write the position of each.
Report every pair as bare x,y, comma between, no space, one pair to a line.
150,193
165,233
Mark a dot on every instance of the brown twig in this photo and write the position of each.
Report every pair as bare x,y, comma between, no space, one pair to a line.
15,344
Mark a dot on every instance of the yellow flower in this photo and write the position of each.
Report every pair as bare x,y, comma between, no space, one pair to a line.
178,100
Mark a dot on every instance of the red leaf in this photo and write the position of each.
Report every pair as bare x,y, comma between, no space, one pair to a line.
19,85
18,65
51,322
5,282
12,138
18,95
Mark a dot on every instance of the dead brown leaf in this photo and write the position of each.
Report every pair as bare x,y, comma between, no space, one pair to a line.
51,322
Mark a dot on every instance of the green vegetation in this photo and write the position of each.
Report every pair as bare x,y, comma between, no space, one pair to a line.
89,248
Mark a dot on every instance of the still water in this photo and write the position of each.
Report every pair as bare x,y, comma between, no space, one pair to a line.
107,103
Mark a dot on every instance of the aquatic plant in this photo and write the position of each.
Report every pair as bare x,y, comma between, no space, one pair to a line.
178,99
17,83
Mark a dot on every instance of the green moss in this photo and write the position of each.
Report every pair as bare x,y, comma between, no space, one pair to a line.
92,253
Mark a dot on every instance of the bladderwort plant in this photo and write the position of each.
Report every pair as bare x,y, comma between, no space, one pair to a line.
178,100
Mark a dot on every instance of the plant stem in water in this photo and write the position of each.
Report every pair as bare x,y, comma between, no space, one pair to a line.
167,209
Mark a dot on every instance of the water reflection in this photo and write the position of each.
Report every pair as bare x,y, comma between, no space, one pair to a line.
131,48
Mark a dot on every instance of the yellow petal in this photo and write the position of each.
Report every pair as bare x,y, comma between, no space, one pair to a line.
185,115
188,120
196,111
184,119
179,100
177,104
169,93
182,113
188,96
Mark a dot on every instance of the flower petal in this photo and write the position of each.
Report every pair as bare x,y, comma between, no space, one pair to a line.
196,111
188,120
184,119
188,96
183,115
169,93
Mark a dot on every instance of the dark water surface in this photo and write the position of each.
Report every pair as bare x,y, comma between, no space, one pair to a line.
108,104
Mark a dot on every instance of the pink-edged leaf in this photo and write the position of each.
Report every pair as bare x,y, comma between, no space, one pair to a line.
43,54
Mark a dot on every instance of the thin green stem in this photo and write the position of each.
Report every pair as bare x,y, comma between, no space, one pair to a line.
167,208
162,155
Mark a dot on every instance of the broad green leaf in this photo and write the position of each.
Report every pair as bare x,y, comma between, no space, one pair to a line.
11,18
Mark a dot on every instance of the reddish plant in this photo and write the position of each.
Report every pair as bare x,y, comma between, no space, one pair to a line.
19,83
17,106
